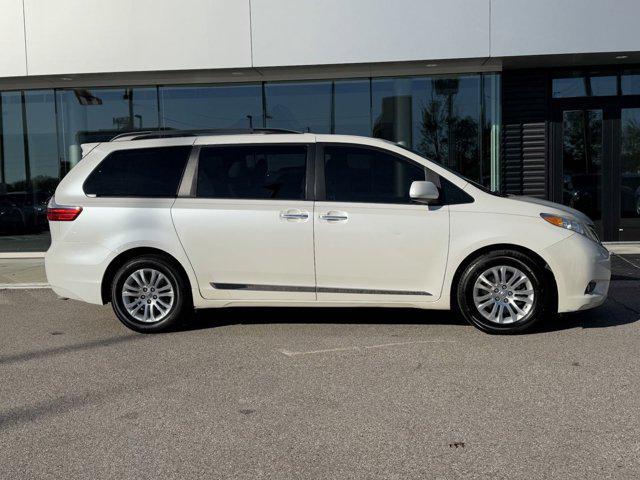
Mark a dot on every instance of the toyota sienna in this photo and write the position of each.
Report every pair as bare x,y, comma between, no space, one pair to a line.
160,223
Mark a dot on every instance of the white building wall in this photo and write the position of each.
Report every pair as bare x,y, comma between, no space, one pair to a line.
88,36
66,37
307,32
13,60
547,27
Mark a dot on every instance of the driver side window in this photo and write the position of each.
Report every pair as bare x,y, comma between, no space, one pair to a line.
360,174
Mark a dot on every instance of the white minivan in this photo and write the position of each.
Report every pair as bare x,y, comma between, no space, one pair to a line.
159,223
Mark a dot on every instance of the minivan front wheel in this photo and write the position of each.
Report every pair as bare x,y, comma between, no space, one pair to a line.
503,292
148,294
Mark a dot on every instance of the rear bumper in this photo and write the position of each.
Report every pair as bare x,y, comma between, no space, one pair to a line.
575,262
76,270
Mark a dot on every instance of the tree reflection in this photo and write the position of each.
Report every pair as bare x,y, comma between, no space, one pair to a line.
444,132
582,160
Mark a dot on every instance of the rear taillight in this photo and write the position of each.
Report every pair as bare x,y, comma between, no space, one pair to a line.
62,213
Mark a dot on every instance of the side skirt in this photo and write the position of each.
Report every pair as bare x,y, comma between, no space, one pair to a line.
291,288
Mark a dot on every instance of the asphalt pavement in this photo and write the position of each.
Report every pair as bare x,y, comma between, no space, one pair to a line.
319,394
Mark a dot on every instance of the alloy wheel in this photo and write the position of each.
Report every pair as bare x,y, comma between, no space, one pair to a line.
148,295
503,294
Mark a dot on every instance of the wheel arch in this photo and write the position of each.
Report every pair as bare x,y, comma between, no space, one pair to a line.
127,255
549,276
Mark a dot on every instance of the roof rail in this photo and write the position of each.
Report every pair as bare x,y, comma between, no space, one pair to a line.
151,134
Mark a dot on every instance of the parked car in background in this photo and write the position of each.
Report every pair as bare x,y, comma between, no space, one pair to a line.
160,223
23,212
12,218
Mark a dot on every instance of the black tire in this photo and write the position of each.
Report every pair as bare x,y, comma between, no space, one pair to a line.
543,295
182,303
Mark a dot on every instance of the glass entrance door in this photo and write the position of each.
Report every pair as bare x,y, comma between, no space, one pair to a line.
595,149
597,166
629,222
582,156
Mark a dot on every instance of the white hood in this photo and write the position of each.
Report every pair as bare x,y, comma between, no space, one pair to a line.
578,215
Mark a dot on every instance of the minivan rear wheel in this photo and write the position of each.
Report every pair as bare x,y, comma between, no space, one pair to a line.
503,292
148,294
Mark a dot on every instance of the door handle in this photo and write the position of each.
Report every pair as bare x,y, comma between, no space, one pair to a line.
334,216
294,215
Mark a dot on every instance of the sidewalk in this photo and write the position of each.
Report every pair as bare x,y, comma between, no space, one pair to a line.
22,272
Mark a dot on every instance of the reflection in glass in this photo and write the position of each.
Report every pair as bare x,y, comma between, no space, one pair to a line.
437,116
352,107
97,115
569,87
451,124
582,161
585,86
28,168
630,83
453,119
14,165
630,174
603,85
396,104
490,158
201,107
300,106
42,141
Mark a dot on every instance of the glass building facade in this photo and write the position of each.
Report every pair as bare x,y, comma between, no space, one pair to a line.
452,119
596,146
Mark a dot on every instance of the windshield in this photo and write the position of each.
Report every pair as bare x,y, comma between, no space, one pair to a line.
479,186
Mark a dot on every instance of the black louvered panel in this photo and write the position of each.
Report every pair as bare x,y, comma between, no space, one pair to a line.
534,159
524,133
512,159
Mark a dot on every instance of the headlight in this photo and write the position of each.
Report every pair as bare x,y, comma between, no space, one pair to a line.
569,224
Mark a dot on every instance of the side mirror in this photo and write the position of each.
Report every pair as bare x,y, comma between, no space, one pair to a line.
424,192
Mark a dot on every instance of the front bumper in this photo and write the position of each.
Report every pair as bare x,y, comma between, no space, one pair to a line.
575,262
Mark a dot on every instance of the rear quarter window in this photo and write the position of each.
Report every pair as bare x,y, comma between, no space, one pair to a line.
140,172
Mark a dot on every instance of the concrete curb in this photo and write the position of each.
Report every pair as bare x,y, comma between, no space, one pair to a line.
12,255
623,248
24,286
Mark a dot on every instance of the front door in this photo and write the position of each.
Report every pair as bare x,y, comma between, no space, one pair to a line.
371,241
597,162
